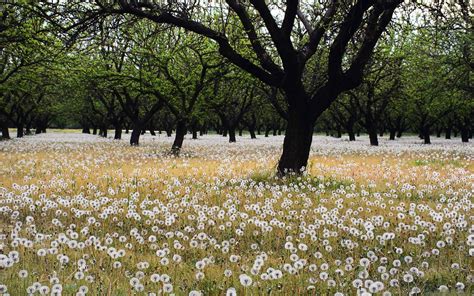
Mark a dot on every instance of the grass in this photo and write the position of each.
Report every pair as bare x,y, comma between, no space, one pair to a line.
143,188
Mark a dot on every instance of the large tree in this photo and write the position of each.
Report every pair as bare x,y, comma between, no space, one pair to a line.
281,40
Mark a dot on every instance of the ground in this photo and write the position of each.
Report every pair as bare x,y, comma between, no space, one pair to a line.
82,214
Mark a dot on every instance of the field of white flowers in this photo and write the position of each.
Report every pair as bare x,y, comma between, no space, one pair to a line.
81,215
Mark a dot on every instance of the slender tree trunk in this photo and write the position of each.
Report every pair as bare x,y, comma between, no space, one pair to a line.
169,132
179,136
339,133
351,135
448,133
252,134
152,132
232,138
399,134
259,130
275,132
438,133
279,131
297,142
5,132
455,133
86,130
381,133
38,130
201,132
464,135
241,131
118,132
195,133
104,132
94,131
267,132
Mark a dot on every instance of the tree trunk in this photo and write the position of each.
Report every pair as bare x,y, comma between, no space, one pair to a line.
339,133
5,132
241,131
169,132
448,134
297,142
232,138
455,133
351,135
275,132
94,132
224,132
267,132
399,134
393,133
152,132
438,133
37,130
86,130
118,132
426,135
179,136
136,132
19,131
195,134
464,135
374,141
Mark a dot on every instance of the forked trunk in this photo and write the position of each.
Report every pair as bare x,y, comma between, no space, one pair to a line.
297,142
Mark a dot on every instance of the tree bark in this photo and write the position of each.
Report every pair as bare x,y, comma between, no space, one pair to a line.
169,132
152,132
241,131
351,135
297,142
195,134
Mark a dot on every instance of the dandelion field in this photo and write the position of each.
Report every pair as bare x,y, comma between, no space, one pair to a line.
84,215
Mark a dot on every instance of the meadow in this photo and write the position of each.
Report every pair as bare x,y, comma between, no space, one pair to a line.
83,215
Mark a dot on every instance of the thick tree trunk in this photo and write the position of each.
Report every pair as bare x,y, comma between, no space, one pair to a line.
179,136
393,133
374,141
20,131
297,142
5,132
426,135
135,136
232,138
464,135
